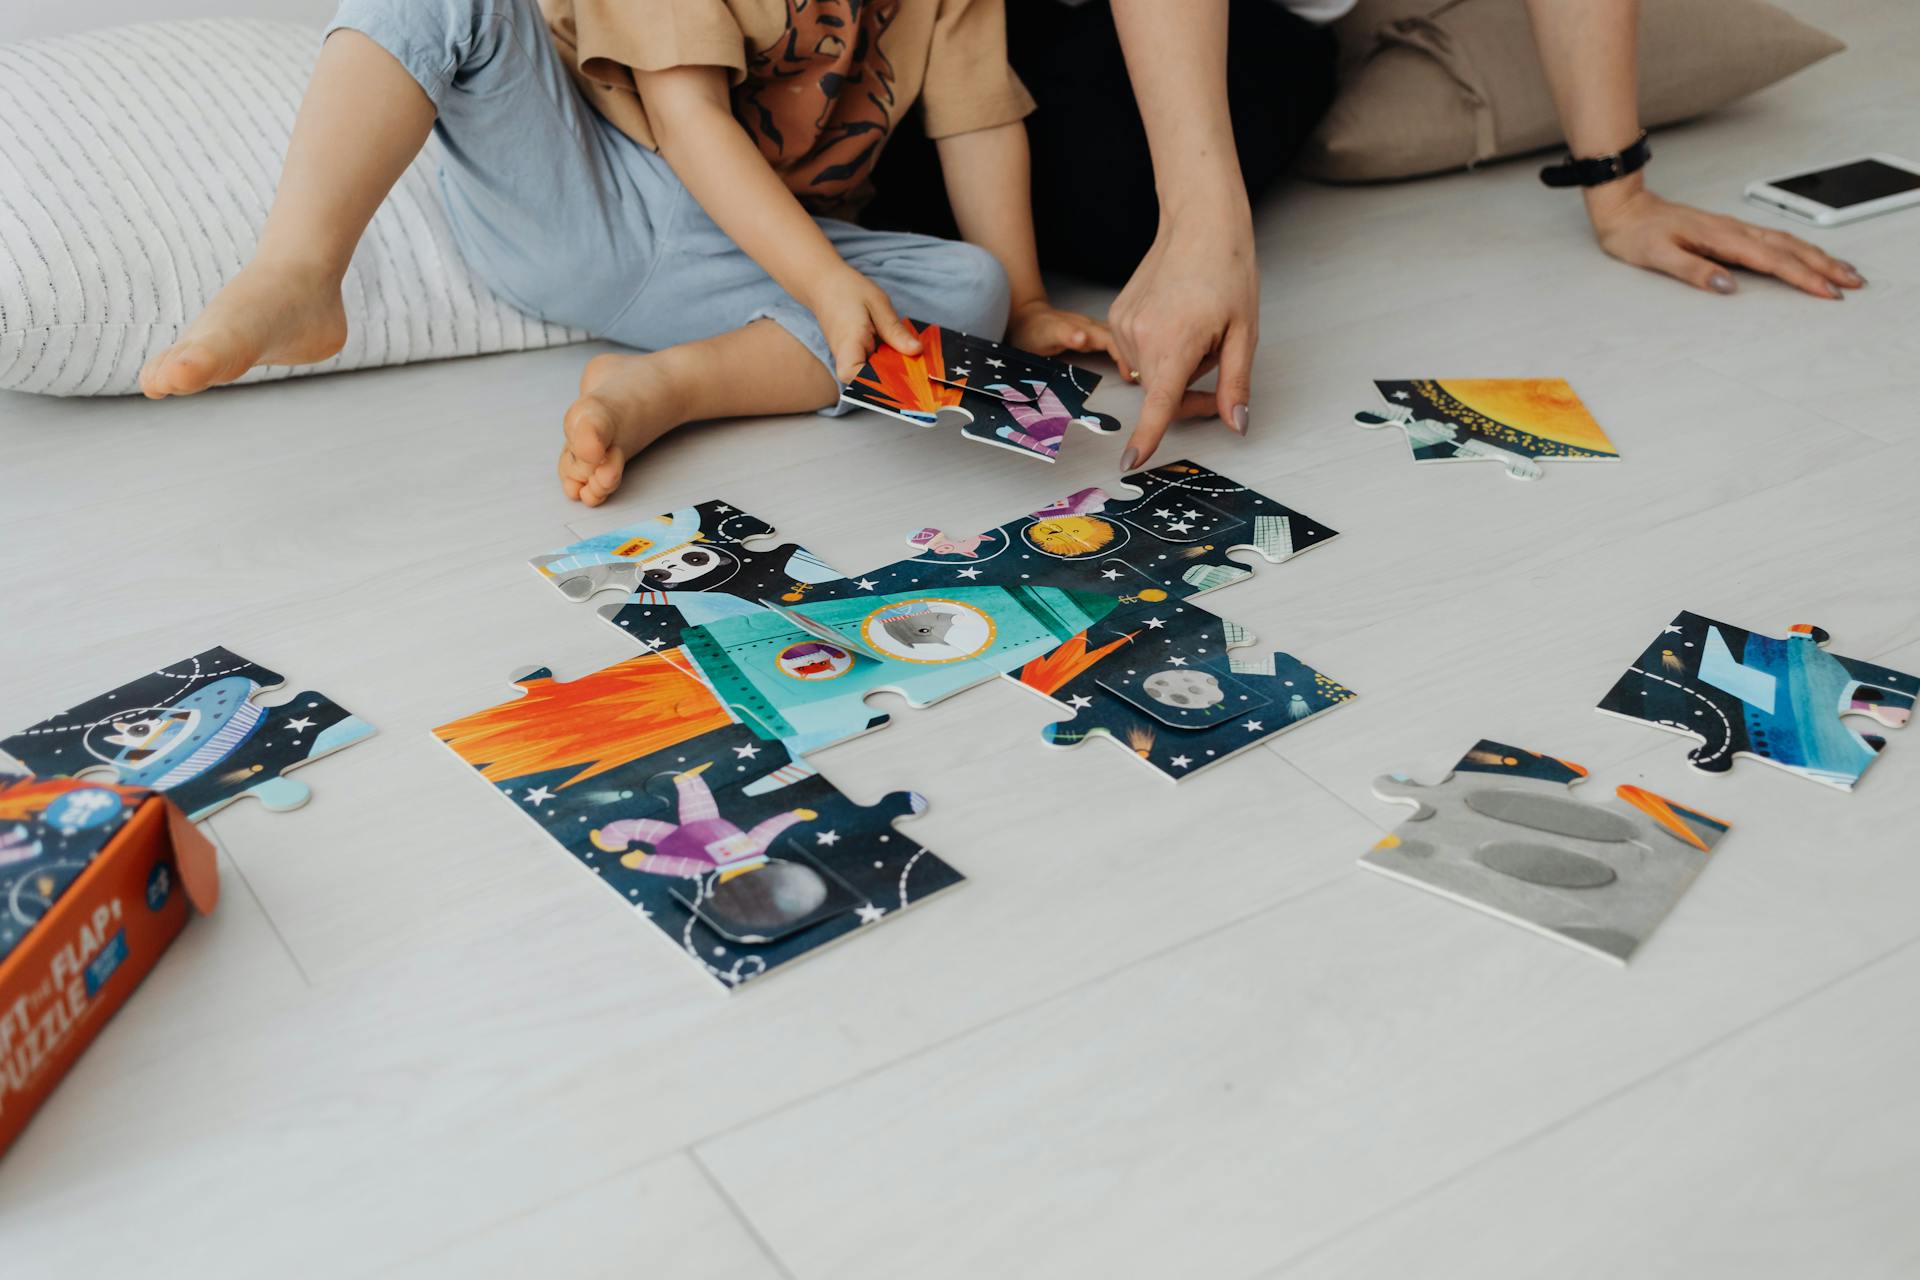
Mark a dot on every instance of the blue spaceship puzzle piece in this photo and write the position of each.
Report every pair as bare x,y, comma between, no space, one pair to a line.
1782,701
193,731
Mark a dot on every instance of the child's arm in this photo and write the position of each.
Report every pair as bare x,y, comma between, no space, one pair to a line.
711,153
987,185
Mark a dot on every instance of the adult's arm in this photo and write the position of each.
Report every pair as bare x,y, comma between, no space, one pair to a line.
1587,49
1194,300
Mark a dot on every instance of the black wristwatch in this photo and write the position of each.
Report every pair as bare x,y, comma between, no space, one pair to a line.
1572,172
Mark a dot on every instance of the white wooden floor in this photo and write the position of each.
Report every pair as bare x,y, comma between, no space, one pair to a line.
1163,1030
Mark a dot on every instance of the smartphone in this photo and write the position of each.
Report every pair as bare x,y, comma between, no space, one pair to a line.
1843,193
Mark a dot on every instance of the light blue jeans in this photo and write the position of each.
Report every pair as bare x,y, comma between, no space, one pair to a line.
570,220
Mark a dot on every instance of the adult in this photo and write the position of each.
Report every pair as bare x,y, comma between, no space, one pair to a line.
1159,123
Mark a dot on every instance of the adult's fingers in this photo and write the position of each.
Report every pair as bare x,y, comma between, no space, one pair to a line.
1770,258
1841,273
1689,268
1166,384
1235,387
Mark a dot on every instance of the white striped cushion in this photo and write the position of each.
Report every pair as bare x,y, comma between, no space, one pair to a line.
136,166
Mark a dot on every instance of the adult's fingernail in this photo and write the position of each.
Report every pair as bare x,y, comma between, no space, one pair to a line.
1128,458
1853,272
1721,282
1240,418
1833,291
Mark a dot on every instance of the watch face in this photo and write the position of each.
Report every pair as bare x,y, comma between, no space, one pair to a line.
1850,184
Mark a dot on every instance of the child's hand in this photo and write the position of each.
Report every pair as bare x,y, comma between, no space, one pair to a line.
1040,327
854,313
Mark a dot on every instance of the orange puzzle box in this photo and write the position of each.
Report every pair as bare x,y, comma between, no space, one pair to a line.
96,881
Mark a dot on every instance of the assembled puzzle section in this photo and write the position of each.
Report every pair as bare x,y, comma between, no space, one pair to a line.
194,731
1745,694
1515,421
796,659
1001,395
1159,680
737,851
1502,834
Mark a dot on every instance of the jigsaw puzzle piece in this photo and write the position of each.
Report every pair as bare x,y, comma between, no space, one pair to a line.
1502,833
809,683
1000,395
683,568
194,731
1163,681
1781,701
738,852
1511,420
1189,518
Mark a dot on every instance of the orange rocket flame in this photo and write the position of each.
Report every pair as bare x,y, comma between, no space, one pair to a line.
1049,672
596,723
1661,810
902,380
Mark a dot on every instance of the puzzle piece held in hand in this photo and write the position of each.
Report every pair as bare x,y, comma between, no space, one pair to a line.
1002,395
1781,701
194,731
736,850
1501,833
1159,680
1516,421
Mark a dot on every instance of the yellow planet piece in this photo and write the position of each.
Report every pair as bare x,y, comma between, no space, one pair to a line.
1543,407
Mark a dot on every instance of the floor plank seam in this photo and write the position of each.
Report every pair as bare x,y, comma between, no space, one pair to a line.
1281,1269
740,1215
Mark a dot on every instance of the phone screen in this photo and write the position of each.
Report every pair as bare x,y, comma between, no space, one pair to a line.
1850,184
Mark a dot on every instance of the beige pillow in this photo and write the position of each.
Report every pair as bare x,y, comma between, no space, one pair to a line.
1431,86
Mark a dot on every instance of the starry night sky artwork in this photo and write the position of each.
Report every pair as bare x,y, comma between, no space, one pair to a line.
1160,680
741,855
1002,395
193,731
1781,701
50,830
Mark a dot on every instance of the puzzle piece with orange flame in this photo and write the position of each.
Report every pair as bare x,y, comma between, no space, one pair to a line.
1001,395
1501,833
1163,679
736,850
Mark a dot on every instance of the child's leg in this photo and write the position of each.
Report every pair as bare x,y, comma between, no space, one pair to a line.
629,401
361,123
777,362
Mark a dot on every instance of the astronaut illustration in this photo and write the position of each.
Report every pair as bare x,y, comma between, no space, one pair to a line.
700,842
1043,419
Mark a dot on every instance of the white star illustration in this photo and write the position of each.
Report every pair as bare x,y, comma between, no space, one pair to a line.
866,584
998,364
1110,574
1191,514
827,838
1161,513
1153,623
1399,395
968,573
747,752
1079,702
302,724
1252,726
1180,762
1179,526
1671,629
721,507
653,642
963,373
1177,662
870,914
537,796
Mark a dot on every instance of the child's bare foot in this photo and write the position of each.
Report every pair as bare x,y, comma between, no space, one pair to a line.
626,403
268,314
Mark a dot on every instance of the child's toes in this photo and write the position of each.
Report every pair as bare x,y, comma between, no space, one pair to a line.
605,478
589,427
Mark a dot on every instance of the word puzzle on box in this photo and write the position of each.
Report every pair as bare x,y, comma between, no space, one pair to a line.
681,777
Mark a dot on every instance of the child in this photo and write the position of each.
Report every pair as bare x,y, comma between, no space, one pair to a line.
675,199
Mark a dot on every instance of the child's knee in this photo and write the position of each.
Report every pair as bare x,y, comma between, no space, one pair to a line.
979,291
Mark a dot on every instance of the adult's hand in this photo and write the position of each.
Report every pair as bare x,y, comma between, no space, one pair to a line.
1697,247
1192,304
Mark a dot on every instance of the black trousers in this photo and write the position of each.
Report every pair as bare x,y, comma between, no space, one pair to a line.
1095,210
